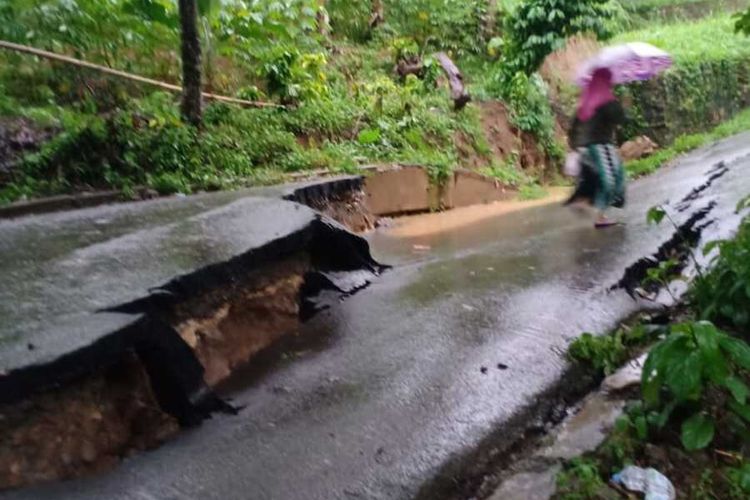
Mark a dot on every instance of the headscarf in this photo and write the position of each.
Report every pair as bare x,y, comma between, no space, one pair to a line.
597,93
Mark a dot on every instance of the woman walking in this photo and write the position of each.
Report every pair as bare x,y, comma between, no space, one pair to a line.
601,181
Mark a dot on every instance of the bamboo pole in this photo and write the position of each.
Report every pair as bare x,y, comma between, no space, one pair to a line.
129,76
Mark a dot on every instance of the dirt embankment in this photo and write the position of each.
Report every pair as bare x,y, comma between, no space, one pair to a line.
504,140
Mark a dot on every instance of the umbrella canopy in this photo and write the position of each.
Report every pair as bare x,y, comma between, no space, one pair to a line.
630,62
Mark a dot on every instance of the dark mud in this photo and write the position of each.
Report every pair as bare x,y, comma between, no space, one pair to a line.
83,428
678,249
343,200
716,173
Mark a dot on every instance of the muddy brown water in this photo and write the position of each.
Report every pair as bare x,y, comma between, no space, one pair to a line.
426,225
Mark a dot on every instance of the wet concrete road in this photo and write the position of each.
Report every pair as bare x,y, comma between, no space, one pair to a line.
393,388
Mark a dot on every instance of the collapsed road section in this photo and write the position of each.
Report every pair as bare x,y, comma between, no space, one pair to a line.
117,322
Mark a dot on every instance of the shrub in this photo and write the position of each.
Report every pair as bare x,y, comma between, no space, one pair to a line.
723,294
539,27
606,353
688,371
705,87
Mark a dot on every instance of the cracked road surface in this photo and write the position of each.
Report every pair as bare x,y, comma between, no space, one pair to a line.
449,347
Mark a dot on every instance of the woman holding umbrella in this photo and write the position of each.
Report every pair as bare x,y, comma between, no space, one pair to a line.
601,177
601,181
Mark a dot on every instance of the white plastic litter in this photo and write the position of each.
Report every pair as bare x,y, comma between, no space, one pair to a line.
653,483
573,164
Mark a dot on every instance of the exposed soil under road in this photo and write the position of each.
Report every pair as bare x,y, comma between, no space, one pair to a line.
228,326
85,428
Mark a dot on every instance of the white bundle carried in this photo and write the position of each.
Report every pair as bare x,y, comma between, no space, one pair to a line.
572,164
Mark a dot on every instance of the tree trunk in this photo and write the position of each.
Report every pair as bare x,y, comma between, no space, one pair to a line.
323,20
191,62
378,14
458,91
489,25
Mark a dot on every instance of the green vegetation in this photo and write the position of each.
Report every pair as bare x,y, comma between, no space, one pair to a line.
695,391
652,4
711,38
532,192
507,172
604,354
532,31
344,104
723,295
644,12
688,142
580,480
704,88
742,22
330,67
145,142
539,27
693,368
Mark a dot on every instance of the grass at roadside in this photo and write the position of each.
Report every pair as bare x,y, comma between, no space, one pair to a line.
687,143
712,38
691,418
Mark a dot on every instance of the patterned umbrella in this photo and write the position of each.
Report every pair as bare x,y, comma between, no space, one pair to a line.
630,62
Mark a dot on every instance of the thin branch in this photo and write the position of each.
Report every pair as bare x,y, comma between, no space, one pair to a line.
129,76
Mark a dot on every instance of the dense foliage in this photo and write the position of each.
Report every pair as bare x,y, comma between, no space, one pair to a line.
706,86
539,27
742,23
323,59
690,370
723,295
711,38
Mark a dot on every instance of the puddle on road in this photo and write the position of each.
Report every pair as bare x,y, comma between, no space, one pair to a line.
426,225
423,237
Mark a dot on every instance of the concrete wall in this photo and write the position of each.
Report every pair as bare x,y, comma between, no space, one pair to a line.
398,190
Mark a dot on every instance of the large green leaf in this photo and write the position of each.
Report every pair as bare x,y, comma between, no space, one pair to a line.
683,376
641,427
715,364
738,350
651,377
738,388
655,215
154,11
697,432
741,477
661,360
741,410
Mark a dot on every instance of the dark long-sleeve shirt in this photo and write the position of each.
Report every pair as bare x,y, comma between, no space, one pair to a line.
599,129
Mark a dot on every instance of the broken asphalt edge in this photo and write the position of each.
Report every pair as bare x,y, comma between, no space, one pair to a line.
175,374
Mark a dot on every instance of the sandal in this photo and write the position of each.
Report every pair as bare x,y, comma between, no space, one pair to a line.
603,224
